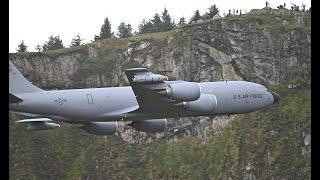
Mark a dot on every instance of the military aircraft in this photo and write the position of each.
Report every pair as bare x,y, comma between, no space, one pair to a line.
145,104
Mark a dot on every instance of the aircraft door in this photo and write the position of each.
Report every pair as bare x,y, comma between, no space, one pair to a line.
229,103
229,99
92,104
89,99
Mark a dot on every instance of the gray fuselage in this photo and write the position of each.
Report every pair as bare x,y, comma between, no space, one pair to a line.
119,103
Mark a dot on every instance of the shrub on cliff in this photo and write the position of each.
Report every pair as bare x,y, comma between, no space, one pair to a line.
53,43
22,47
124,30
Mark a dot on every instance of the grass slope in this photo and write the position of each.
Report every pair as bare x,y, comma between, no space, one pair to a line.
266,143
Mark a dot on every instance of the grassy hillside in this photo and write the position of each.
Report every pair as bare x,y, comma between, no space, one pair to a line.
269,143
70,153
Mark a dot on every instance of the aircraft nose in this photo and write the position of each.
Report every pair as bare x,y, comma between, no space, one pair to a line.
276,96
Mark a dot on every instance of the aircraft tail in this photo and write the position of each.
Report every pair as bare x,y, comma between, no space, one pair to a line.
18,83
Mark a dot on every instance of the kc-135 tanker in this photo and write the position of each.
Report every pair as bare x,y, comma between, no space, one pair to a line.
144,105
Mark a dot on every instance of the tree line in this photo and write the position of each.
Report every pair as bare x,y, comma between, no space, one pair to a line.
158,23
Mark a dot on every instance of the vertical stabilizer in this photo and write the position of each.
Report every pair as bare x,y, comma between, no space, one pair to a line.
19,84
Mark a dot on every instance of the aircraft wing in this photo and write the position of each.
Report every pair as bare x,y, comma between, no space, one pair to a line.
39,124
34,120
146,86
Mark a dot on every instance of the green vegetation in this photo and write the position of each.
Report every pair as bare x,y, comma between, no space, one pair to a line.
53,54
109,52
300,75
105,31
176,39
22,47
157,23
53,43
267,143
159,45
196,16
69,153
124,30
76,41
213,10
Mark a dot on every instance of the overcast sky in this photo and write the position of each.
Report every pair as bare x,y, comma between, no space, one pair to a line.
35,20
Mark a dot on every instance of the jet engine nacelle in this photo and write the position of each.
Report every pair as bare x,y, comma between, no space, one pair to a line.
151,126
186,91
152,78
37,126
101,128
207,103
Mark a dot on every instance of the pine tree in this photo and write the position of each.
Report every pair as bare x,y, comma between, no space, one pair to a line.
196,16
145,27
105,29
53,43
156,23
213,10
167,23
22,47
124,30
76,41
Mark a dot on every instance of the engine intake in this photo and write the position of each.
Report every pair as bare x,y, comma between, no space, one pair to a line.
151,126
101,128
207,103
186,91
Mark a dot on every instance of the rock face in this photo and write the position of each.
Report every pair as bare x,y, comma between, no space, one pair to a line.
268,54
268,48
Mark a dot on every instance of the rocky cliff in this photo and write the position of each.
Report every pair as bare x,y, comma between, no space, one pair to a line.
268,47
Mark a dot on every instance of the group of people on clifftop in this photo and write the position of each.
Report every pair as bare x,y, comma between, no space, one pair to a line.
293,7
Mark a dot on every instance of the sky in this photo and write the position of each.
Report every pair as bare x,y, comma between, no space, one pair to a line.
35,20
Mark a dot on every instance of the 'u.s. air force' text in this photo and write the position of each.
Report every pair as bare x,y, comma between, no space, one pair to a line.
245,96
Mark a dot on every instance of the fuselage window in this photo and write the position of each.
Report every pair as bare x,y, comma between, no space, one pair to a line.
89,98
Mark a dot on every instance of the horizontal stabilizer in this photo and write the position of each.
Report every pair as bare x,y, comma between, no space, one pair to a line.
137,71
39,124
14,99
34,120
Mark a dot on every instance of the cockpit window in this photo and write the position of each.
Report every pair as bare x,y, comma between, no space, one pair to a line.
260,87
